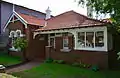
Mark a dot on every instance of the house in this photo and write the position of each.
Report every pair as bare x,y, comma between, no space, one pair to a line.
69,36
6,9
76,38
21,23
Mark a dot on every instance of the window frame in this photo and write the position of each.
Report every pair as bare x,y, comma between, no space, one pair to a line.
49,37
92,29
64,47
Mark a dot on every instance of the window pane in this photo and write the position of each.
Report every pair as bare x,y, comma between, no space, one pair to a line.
89,39
81,39
65,41
18,34
99,39
52,42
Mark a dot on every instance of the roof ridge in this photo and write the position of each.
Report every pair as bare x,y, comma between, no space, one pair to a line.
23,7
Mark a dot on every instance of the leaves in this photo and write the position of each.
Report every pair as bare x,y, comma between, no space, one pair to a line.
20,43
105,6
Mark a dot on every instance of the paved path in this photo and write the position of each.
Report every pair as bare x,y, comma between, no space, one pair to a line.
23,67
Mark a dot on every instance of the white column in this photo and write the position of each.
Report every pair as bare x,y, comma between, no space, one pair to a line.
75,39
105,40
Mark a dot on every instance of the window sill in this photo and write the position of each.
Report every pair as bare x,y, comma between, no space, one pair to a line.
65,50
93,49
13,49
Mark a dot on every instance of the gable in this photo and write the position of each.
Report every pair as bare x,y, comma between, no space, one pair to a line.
15,17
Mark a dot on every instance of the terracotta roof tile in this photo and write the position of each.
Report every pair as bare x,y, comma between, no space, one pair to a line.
70,19
32,20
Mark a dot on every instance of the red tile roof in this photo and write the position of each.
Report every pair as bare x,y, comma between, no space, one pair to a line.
70,19
32,20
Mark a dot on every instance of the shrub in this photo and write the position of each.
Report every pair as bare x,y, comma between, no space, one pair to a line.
20,43
55,61
95,68
75,64
49,60
85,65
60,61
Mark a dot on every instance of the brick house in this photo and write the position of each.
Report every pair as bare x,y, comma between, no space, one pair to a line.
6,13
69,36
76,38
21,23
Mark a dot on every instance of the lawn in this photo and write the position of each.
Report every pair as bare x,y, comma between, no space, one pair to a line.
9,60
46,70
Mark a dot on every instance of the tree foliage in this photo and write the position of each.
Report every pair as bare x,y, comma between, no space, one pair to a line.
105,6
20,43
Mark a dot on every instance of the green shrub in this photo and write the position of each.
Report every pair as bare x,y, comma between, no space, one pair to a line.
49,60
95,68
60,61
85,65
55,61
20,43
76,64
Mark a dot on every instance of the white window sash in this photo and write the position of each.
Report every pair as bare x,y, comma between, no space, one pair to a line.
103,48
64,47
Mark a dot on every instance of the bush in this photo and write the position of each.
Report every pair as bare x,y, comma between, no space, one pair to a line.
95,68
49,60
76,64
85,65
60,61
20,43
55,61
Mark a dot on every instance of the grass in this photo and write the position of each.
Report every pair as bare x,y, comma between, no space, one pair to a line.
7,60
46,70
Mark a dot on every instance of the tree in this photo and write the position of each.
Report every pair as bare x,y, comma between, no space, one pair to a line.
105,6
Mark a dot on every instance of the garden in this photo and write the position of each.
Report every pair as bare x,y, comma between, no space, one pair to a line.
55,70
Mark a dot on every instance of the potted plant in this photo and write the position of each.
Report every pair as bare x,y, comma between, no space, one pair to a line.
21,44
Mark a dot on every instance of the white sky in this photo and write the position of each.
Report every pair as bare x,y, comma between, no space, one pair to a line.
56,6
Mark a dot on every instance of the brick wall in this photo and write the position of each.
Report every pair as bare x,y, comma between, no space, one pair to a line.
87,57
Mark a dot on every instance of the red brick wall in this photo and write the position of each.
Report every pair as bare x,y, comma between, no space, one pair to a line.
36,48
16,25
87,57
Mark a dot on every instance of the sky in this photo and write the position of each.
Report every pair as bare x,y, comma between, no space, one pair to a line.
56,6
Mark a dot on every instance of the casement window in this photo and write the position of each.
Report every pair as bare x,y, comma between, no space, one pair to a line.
99,39
90,39
65,42
52,40
14,35
18,33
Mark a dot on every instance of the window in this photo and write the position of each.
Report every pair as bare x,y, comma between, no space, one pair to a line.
99,39
14,35
52,40
90,39
18,33
81,39
65,42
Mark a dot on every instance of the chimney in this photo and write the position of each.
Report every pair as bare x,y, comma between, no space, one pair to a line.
48,15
